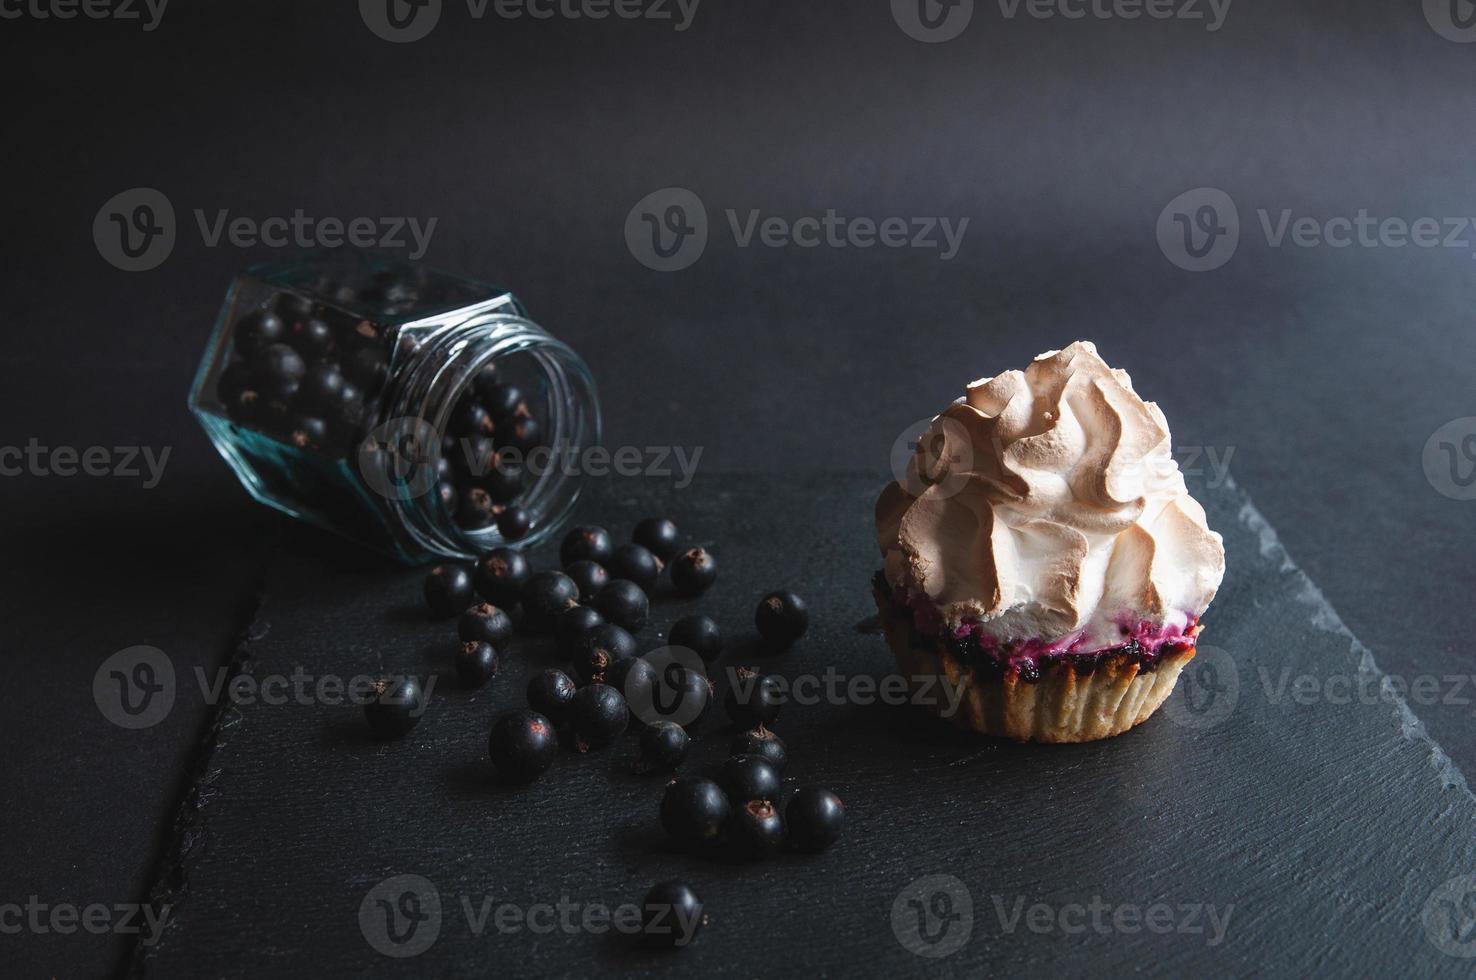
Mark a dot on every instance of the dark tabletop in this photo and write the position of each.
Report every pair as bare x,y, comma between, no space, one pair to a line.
1320,373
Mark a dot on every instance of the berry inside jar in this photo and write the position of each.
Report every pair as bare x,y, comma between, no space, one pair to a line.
415,411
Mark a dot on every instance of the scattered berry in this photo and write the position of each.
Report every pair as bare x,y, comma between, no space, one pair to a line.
658,536
522,745
694,572
501,575
671,915
700,634
755,830
604,646
545,596
586,543
781,619
764,744
476,662
623,603
753,699
598,716
590,578
514,523
572,626
747,777
550,693
448,590
663,746
635,564
395,707
815,817
486,623
694,810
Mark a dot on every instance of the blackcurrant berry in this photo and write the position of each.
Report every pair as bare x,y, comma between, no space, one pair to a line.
586,543
501,575
322,388
367,368
669,691
474,456
500,399
764,744
483,382
309,432
781,618
525,435
447,495
514,522
753,699
598,716
754,830
292,307
572,626
486,623
551,691
278,369
747,777
635,564
504,481
476,662
815,818
522,745
624,604
474,508
671,915
257,331
700,634
545,596
394,707
658,536
602,648
694,572
663,746
470,419
694,810
448,590
312,337
590,578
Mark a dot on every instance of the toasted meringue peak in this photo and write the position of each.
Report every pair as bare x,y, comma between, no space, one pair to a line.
1046,504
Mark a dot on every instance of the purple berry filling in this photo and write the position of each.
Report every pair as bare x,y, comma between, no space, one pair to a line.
1145,643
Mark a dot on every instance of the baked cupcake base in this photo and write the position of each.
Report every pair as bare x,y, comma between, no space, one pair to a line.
1073,699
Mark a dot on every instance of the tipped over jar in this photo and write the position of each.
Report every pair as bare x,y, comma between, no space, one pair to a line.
417,412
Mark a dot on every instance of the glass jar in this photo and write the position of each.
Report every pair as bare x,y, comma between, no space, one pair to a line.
417,412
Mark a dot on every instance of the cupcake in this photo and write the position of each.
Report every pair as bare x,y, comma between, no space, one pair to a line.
1042,556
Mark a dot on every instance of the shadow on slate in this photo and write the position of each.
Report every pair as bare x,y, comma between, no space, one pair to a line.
1239,831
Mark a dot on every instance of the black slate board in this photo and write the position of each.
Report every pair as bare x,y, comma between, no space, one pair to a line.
1322,830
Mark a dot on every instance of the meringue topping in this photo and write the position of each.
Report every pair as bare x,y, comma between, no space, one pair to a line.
1046,505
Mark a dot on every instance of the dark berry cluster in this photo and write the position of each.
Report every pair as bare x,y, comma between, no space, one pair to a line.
488,435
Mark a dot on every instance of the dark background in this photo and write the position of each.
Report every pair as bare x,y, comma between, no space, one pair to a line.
1324,370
